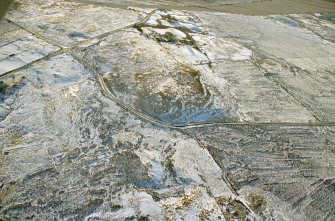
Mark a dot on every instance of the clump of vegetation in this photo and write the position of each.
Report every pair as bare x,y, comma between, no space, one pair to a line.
166,37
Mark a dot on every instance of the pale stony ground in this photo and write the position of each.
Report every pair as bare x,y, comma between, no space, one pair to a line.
246,7
144,114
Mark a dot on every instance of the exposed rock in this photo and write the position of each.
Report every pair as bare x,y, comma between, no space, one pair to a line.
141,114
184,93
18,47
70,23
321,24
280,171
303,66
175,94
247,7
64,142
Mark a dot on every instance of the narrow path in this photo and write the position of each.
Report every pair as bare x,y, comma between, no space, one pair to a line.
132,110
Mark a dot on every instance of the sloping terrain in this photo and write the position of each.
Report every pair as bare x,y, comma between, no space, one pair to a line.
164,114
246,7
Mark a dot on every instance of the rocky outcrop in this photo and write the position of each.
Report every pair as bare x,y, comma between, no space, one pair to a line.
164,115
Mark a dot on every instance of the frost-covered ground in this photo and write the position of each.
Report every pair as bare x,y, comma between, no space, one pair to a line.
152,114
247,7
